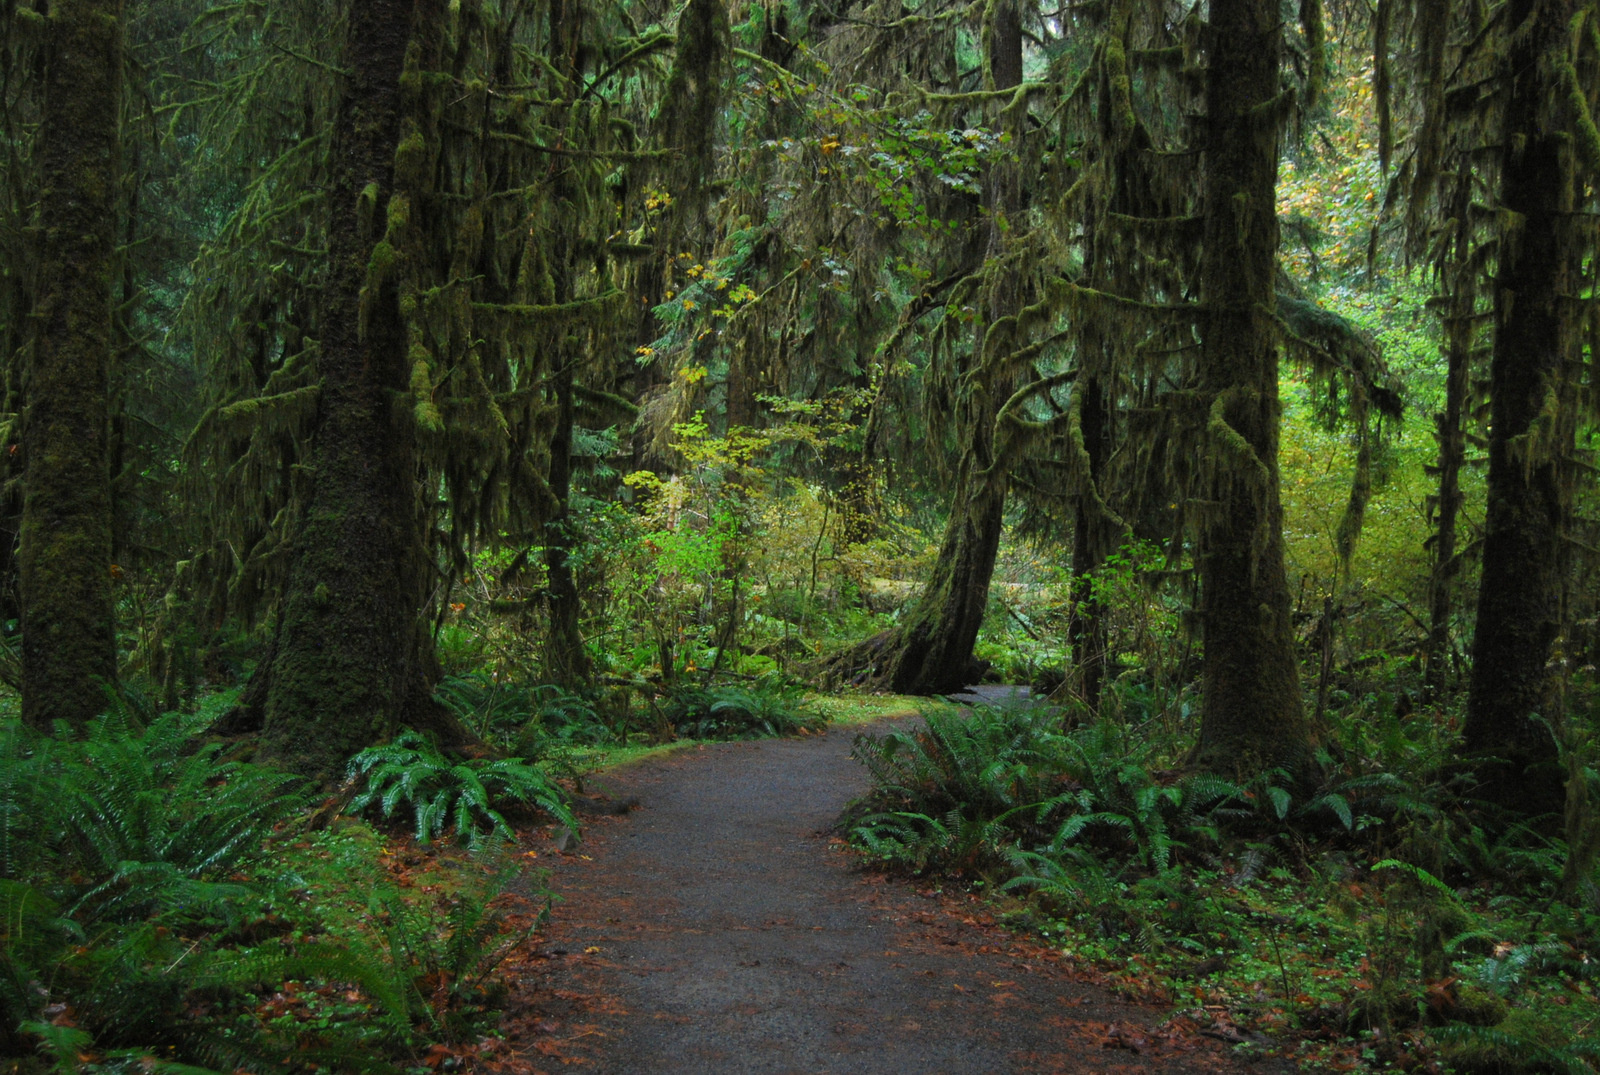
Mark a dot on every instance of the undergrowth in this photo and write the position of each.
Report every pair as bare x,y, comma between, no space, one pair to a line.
1384,918
467,795
162,910
765,707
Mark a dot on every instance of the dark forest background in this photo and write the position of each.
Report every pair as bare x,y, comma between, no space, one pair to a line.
410,405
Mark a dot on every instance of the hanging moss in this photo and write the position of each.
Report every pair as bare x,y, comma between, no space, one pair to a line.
411,159
424,409
270,415
692,98
367,208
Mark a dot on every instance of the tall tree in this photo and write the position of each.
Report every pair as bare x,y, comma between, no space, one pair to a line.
930,651
64,554
349,652
1514,706
1252,715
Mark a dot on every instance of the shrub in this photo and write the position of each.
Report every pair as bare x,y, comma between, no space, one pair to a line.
467,795
766,707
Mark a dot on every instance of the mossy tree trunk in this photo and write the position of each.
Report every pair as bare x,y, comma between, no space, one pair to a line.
1092,537
64,554
350,658
1252,716
566,661
1451,435
1514,692
932,653
932,650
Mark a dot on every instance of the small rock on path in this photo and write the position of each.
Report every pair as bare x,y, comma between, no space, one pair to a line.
719,929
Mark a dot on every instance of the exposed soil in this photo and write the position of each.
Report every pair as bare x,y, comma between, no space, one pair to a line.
721,928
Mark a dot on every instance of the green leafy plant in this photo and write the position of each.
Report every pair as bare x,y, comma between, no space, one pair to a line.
466,795
442,966
129,857
769,706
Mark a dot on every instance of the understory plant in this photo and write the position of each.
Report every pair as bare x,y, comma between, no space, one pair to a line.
466,795
529,721
160,911
763,707
129,861
1380,914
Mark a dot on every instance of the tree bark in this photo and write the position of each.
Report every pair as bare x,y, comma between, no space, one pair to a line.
64,554
933,654
1513,703
351,656
566,661
932,650
1252,717
1450,432
1091,544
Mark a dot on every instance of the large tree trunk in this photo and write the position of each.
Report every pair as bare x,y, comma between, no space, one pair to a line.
566,661
1252,717
933,651
64,558
351,657
1514,692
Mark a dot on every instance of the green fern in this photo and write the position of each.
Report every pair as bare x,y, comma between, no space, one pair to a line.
1502,1048
155,823
439,971
768,708
467,796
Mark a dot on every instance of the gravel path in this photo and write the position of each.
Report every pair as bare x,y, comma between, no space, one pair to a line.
720,929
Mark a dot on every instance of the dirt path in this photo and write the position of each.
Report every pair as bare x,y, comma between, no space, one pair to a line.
719,929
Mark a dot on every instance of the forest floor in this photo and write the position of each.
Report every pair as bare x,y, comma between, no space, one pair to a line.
721,927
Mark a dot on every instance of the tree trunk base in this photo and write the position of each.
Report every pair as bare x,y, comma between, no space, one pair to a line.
888,661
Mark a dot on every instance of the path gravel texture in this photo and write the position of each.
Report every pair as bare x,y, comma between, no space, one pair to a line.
722,928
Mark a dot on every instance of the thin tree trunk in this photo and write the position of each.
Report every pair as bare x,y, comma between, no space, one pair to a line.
1513,703
64,555
566,661
1086,625
350,654
1451,436
1252,716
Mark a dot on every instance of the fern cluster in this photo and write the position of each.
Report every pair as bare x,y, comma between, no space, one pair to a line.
145,909
764,708
121,854
466,796
1008,785
538,722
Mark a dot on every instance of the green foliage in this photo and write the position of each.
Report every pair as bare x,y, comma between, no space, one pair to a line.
149,915
144,817
441,969
1187,884
1523,1043
971,790
466,795
128,854
767,707
531,721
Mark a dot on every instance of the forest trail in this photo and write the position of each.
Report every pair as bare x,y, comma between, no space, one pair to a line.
720,928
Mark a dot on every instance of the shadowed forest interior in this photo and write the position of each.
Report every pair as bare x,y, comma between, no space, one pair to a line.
412,408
